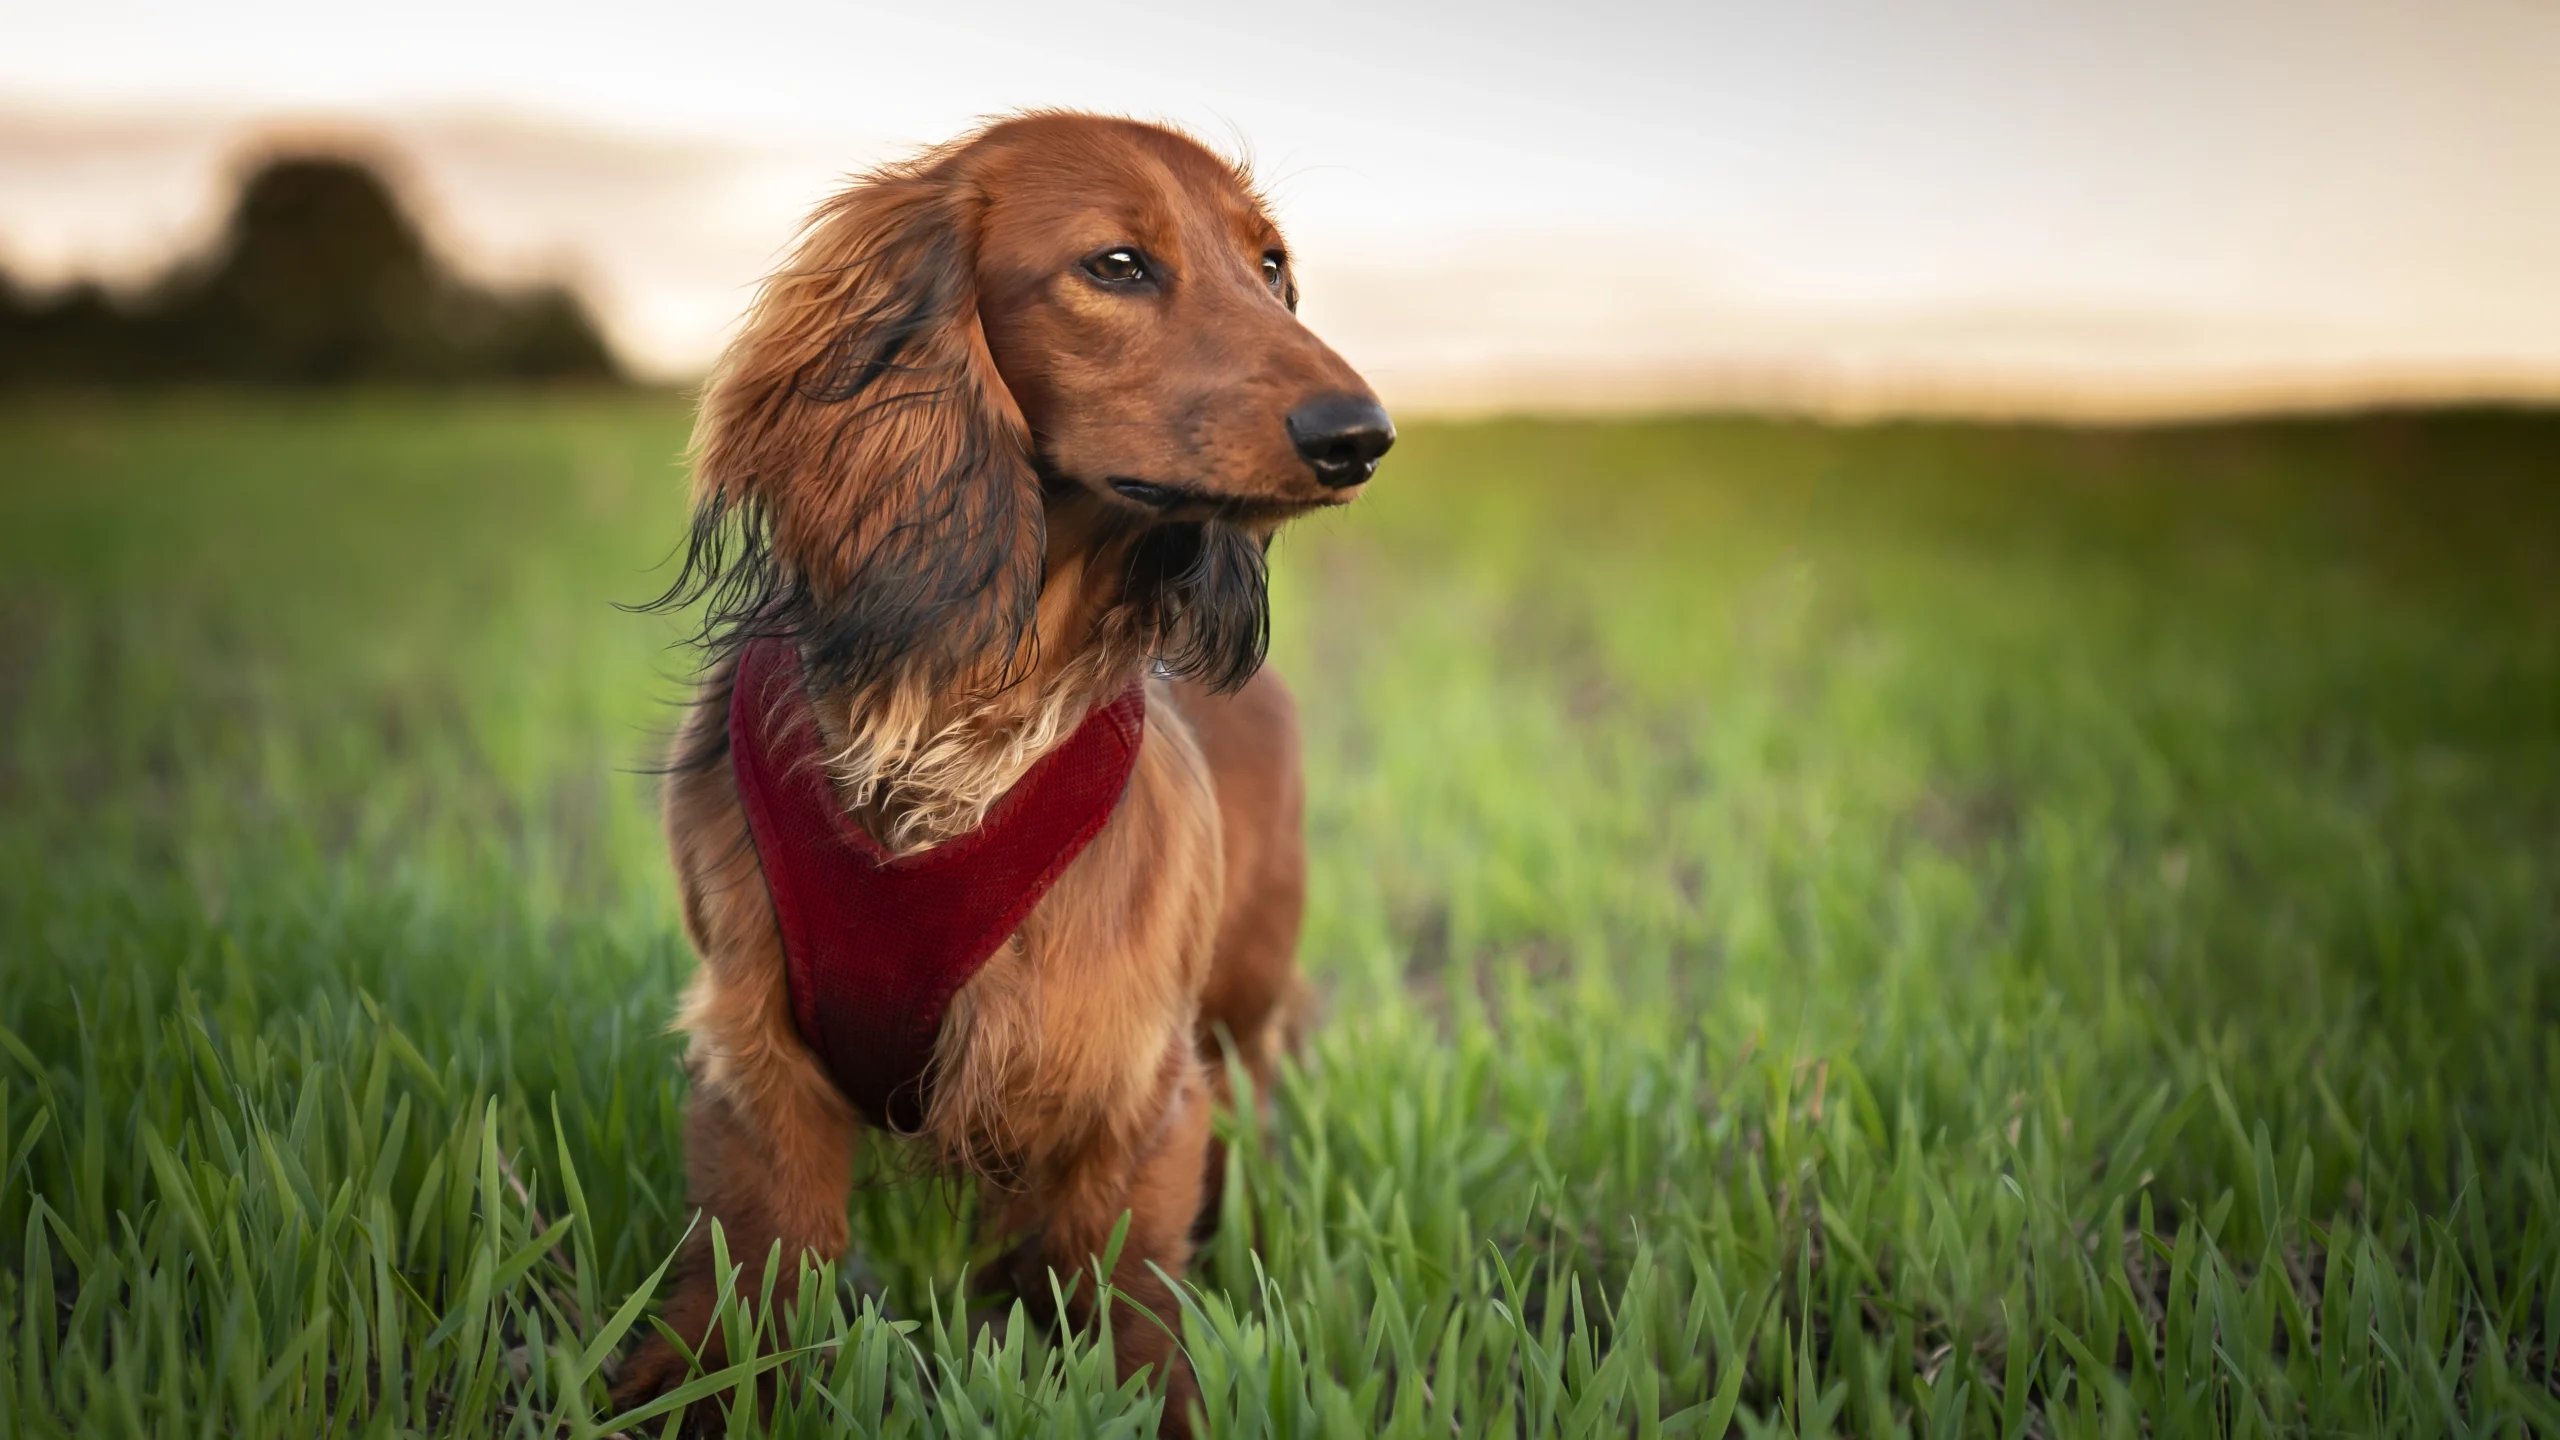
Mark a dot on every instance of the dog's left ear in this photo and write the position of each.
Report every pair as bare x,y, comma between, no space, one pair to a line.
858,429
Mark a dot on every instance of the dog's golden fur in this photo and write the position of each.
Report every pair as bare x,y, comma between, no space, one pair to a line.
912,463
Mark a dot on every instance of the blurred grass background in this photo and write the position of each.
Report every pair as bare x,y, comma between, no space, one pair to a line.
1923,929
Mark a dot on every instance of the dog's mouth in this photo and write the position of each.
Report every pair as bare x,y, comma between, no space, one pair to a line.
1157,496
1200,502
1174,500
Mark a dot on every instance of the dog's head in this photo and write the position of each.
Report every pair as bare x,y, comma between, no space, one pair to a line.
1060,315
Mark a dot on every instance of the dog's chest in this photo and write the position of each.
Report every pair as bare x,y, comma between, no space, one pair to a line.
876,946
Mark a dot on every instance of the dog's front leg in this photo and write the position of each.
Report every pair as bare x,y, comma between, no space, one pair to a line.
770,1158
1071,1214
768,1138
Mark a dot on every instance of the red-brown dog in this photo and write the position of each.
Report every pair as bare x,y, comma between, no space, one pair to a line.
1010,434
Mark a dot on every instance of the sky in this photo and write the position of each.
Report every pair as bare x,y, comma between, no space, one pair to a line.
1493,201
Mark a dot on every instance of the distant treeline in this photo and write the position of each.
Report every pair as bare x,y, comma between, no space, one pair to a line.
319,278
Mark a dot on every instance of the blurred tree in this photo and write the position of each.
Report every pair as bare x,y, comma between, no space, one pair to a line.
319,278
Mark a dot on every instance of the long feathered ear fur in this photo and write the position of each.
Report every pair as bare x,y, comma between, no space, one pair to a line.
864,483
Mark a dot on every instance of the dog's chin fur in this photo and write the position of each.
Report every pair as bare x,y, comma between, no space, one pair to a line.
926,764
921,753
1202,589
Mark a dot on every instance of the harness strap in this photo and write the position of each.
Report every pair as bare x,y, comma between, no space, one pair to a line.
876,945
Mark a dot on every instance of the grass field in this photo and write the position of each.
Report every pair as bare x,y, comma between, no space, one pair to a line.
1910,930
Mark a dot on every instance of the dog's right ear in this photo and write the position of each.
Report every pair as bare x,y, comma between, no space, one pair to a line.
864,483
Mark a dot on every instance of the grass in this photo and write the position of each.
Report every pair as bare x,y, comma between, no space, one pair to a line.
1915,930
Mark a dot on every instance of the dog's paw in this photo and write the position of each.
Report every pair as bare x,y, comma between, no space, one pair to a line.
654,1369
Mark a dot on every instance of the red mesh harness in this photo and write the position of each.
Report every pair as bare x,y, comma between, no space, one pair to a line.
877,946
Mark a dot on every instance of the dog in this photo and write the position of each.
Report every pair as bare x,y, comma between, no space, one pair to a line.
983,494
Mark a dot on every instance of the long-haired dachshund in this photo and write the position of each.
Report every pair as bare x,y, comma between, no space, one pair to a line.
987,819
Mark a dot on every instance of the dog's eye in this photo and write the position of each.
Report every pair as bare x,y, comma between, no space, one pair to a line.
1119,265
1273,263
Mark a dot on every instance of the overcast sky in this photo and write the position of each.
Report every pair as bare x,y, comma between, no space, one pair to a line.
1490,188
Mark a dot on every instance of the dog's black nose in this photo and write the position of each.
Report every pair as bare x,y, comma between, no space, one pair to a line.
1341,437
